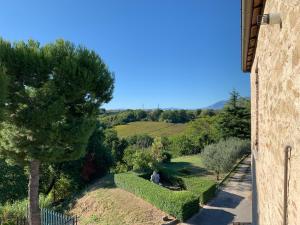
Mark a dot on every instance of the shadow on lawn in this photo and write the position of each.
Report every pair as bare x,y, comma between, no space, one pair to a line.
105,182
186,168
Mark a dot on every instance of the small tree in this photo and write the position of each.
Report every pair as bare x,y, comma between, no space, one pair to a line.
184,145
155,114
54,95
204,130
157,151
221,156
140,140
114,144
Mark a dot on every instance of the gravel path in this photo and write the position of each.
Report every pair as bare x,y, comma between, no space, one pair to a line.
232,203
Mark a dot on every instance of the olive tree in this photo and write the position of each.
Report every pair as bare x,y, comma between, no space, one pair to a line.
53,98
220,157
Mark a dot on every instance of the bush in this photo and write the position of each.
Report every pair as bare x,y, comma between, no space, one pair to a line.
145,160
204,131
140,140
139,160
176,116
167,156
205,189
62,189
10,211
181,204
220,157
184,145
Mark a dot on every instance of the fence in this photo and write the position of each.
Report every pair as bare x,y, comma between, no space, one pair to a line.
48,217
53,218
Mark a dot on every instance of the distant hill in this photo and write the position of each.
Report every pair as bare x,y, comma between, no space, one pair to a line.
217,105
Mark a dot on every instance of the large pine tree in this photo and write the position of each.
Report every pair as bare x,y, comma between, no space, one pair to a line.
53,97
235,118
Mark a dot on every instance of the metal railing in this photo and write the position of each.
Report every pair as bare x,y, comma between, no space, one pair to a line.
48,217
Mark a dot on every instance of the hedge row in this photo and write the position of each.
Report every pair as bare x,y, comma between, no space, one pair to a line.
180,204
204,188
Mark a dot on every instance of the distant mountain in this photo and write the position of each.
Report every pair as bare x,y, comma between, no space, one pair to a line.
217,105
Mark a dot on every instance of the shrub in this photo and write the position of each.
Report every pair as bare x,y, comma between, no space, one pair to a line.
10,211
140,140
205,189
220,157
62,189
166,157
139,160
145,160
204,131
181,204
176,116
184,145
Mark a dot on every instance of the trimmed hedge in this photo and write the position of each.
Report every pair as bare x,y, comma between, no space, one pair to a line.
204,188
180,204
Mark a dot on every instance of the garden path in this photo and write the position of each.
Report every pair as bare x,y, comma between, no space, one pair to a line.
232,203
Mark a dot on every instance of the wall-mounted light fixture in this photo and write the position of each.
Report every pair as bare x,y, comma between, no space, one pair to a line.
269,19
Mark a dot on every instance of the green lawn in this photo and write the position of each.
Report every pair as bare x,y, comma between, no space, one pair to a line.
192,162
154,129
196,177
191,165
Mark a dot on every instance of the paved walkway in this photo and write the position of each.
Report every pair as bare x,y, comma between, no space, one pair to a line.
232,203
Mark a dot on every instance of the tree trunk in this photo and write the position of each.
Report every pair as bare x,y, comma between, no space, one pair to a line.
34,214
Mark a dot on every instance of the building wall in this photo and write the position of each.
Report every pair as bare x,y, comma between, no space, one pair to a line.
275,93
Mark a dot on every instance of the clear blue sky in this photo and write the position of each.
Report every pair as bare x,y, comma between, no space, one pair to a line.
171,53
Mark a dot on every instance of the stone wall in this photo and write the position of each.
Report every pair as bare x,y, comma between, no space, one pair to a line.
275,93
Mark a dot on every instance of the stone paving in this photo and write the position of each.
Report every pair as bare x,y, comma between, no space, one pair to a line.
232,203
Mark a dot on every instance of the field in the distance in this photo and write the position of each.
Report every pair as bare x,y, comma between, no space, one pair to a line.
154,129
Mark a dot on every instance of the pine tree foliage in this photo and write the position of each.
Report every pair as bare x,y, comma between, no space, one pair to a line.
235,118
54,94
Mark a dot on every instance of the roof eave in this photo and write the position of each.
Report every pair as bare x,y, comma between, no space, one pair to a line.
250,9
246,23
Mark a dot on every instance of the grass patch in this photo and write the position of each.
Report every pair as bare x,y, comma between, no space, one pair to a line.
104,203
154,129
10,212
195,177
181,204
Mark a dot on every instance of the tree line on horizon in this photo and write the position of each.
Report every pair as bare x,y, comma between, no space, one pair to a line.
122,117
